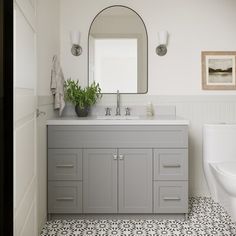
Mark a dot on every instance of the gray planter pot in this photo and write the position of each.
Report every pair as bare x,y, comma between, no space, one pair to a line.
82,112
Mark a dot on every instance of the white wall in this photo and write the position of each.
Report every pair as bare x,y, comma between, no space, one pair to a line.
47,45
48,42
194,26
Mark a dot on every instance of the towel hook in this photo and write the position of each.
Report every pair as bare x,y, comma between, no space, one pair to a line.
38,113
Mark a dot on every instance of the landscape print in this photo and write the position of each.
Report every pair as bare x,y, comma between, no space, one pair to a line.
220,70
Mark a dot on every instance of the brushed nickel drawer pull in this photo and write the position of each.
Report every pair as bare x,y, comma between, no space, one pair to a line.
65,199
172,198
121,157
172,166
115,156
64,166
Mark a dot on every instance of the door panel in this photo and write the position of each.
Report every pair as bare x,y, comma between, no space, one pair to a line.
100,181
25,173
135,180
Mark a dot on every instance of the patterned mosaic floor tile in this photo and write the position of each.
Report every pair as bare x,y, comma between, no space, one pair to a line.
206,218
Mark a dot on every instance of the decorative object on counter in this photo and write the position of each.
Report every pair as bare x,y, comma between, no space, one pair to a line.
57,85
76,49
150,110
219,70
82,98
161,50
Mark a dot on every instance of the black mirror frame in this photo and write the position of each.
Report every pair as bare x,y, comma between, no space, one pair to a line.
146,36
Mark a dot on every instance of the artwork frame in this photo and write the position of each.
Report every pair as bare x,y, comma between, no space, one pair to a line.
218,70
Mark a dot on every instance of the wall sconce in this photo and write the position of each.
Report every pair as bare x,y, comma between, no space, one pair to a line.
76,49
161,50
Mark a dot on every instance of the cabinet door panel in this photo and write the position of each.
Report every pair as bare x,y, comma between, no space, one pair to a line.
99,181
135,181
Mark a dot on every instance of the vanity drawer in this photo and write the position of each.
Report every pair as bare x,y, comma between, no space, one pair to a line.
122,136
65,164
170,196
170,164
64,197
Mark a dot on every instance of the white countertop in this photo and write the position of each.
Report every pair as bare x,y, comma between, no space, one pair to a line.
143,120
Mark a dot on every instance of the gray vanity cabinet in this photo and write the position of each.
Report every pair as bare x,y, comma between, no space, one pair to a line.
117,169
100,181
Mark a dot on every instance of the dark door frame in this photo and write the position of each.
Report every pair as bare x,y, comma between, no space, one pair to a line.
6,117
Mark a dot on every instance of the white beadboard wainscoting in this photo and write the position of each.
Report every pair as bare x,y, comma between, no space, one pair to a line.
45,105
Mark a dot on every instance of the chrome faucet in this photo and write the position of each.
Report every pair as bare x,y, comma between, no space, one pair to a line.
118,103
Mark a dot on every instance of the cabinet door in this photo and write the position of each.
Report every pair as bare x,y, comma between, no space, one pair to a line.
100,181
135,180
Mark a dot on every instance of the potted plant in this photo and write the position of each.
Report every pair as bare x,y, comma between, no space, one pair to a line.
82,98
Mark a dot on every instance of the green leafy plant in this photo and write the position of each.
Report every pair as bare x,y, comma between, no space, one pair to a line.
82,97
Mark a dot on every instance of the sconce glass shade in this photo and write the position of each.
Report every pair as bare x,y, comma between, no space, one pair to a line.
162,37
76,49
75,37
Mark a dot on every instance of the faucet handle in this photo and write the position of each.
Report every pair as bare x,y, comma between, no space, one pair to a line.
108,111
127,111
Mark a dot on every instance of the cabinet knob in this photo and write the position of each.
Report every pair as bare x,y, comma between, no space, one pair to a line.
115,156
121,157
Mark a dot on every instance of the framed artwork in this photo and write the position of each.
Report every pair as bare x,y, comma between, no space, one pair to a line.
218,70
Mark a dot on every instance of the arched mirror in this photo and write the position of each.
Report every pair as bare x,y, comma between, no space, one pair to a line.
118,51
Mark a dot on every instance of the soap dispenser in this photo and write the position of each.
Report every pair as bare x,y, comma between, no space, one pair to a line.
150,111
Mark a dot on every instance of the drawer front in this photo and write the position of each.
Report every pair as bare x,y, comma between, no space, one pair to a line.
65,164
171,164
170,196
64,197
133,136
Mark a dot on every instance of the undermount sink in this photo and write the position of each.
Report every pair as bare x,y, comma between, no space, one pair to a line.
117,117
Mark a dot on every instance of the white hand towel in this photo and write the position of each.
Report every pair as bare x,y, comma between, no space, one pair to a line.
57,85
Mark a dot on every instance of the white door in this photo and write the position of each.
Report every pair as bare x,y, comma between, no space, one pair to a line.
25,174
